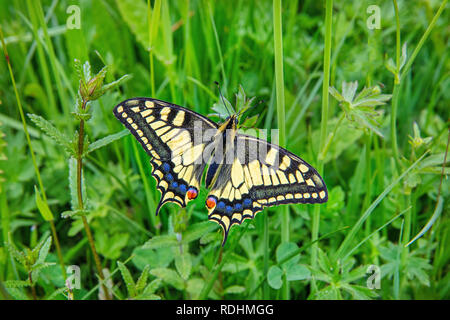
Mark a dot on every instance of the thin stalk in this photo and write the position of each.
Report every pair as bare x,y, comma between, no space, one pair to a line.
219,50
81,204
323,126
351,235
279,79
153,21
422,40
33,289
368,174
405,71
438,197
266,254
58,247
33,156
42,61
396,90
333,134
208,286
52,58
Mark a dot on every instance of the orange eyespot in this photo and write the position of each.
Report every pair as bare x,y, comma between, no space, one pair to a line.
192,193
210,202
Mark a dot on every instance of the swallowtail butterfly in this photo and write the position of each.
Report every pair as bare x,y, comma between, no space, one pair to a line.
244,174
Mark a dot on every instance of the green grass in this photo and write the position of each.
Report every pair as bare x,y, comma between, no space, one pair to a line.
382,158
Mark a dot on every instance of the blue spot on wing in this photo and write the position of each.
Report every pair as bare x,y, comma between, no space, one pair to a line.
166,167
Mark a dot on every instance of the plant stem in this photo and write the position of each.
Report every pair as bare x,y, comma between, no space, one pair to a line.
81,204
323,126
58,248
215,272
266,254
401,75
33,289
52,58
422,40
153,20
396,90
279,79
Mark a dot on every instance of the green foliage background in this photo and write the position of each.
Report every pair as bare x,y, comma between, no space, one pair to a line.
380,197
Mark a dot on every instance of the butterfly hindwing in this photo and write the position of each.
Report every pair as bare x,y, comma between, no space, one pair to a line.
261,175
166,131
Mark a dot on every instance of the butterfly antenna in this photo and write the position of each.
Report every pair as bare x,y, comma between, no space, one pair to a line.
221,96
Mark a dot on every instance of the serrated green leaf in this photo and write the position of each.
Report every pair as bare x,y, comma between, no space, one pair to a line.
161,242
43,252
142,281
168,276
115,83
19,256
194,287
74,213
111,246
127,278
234,290
16,283
183,263
152,286
328,293
50,130
155,258
107,140
148,296
359,292
336,94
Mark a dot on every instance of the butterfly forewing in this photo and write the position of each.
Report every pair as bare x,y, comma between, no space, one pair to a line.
167,133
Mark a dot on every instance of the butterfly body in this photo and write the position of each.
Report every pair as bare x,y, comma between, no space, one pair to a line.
244,173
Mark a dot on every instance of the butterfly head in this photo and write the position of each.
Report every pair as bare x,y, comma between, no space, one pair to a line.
232,122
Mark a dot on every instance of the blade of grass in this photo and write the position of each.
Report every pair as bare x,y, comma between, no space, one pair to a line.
323,125
52,58
42,63
219,50
351,235
154,220
33,156
153,24
281,115
440,201
374,232
208,286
